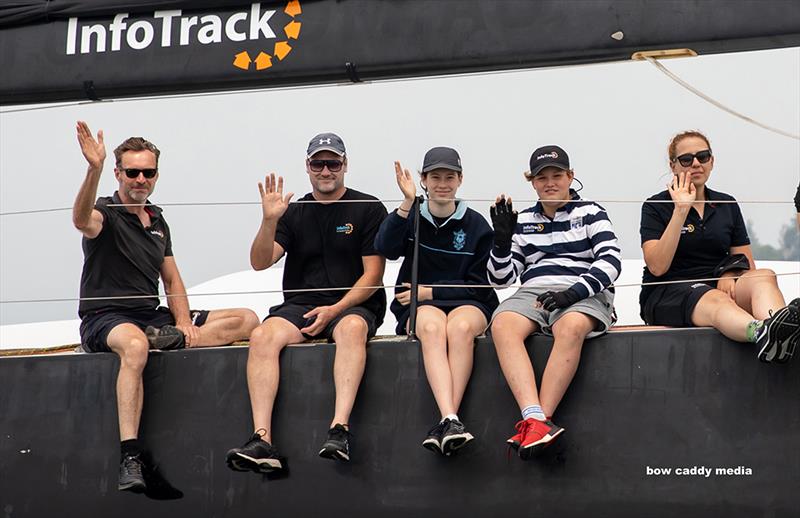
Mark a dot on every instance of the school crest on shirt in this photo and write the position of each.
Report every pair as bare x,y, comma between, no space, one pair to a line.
459,239
575,223
688,228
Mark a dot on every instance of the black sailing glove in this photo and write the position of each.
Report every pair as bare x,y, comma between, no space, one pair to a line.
504,221
553,300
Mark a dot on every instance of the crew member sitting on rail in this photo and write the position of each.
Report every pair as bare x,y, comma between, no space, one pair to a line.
565,253
126,249
328,240
701,236
454,244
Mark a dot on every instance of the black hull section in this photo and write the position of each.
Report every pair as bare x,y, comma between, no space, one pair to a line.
658,399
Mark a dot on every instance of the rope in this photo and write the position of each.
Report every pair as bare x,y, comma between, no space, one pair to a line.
716,103
348,288
480,200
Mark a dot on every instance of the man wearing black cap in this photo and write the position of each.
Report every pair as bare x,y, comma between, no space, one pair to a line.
328,242
566,256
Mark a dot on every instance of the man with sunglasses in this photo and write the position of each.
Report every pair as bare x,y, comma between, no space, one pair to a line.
328,238
127,247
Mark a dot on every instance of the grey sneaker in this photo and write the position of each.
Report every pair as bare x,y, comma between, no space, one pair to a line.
433,441
131,474
256,455
777,339
166,338
455,436
337,447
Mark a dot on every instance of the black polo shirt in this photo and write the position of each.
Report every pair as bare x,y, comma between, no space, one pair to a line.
704,242
124,259
324,244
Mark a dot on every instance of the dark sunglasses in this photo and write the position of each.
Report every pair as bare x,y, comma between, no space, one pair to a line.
687,159
134,173
333,166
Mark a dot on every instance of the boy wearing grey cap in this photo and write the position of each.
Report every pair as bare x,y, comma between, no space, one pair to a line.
328,243
565,253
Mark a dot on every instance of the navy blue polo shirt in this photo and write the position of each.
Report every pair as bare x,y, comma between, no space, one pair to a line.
704,242
124,259
324,246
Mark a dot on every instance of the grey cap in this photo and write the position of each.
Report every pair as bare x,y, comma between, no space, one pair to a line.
441,157
325,142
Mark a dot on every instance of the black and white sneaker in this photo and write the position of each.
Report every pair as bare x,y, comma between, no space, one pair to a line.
256,455
337,447
131,474
165,338
455,436
433,441
777,339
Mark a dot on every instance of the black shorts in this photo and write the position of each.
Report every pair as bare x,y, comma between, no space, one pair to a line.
96,326
673,304
294,314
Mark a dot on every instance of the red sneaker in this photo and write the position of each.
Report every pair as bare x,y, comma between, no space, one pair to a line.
534,436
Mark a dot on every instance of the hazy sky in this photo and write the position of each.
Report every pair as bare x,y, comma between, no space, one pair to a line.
614,120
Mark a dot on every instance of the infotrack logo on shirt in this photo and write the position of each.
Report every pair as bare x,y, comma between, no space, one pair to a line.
157,233
347,228
171,28
531,228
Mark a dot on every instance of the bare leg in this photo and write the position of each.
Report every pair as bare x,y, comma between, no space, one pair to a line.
716,309
225,326
263,368
569,332
130,344
350,335
509,331
757,293
432,333
463,325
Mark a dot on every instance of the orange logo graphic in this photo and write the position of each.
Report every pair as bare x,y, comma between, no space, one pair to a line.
281,49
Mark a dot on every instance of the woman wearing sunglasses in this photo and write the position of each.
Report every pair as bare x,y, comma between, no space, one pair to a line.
698,238
454,244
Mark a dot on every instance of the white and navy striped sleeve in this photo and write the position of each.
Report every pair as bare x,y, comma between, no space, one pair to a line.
503,271
607,263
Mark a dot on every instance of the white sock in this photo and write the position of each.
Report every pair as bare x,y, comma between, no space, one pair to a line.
534,411
452,417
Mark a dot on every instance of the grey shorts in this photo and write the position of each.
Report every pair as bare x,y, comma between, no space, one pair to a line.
523,302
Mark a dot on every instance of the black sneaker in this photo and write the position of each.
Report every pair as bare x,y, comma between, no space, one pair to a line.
455,436
131,474
166,338
337,447
256,455
433,441
778,336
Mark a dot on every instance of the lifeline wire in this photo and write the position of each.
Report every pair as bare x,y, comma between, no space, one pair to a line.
716,103
307,290
482,200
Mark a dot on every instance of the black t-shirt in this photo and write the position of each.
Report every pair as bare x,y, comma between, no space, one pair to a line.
704,242
324,246
124,259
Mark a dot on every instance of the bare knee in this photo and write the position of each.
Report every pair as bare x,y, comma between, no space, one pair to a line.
430,329
460,331
351,329
568,335
265,342
134,354
249,321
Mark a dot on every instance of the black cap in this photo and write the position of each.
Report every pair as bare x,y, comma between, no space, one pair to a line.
441,157
325,142
548,156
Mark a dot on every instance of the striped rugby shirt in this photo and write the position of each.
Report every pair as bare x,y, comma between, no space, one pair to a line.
577,249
